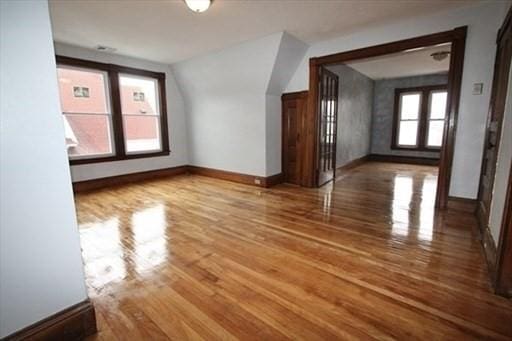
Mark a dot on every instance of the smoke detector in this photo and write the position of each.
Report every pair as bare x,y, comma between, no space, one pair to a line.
439,56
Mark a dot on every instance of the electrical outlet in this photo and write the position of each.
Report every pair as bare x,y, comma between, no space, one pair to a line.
257,181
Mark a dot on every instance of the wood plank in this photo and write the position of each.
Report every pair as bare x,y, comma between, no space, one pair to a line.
365,257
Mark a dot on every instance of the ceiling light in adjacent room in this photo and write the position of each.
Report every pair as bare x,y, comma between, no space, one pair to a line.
439,56
198,6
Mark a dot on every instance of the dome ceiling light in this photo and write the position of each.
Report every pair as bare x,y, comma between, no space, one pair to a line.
439,56
198,6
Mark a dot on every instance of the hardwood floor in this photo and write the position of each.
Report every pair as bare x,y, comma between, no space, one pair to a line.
192,257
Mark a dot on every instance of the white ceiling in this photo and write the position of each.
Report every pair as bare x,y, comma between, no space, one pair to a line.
403,64
166,31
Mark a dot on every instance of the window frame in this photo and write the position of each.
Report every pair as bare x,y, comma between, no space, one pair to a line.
423,119
113,71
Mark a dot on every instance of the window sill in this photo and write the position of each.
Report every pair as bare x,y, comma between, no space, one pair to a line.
417,149
118,158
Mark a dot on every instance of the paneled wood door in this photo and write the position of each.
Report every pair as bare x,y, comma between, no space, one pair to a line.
294,106
494,122
327,125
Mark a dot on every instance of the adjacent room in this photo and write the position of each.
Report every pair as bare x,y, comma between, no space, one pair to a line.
255,170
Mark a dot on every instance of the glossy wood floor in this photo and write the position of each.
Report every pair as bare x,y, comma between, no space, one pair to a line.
191,257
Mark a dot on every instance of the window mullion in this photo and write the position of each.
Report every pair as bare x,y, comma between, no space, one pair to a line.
117,117
422,127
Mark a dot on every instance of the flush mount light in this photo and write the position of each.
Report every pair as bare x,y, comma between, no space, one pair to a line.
198,6
439,56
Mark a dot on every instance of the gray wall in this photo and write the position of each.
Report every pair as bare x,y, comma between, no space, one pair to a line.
383,102
355,96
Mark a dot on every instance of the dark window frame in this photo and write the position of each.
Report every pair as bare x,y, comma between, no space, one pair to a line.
423,117
113,71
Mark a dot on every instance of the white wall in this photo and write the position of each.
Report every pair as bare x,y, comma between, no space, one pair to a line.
483,22
175,115
290,53
225,105
41,269
502,169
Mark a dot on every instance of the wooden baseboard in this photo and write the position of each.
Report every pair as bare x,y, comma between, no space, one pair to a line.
489,247
89,185
260,181
462,204
404,159
74,323
352,164
246,179
273,180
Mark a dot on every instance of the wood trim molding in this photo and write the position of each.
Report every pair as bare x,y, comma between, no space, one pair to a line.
89,185
294,95
259,181
74,323
393,47
504,251
489,247
111,181
272,180
462,204
227,175
352,164
415,160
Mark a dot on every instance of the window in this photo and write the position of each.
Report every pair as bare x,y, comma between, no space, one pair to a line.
419,118
141,113
86,112
111,112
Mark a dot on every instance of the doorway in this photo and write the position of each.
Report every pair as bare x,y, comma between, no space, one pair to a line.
312,145
294,107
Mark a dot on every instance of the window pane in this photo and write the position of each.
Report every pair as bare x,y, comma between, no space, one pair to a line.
82,91
85,103
438,104
87,135
140,109
409,106
138,95
407,133
142,133
435,133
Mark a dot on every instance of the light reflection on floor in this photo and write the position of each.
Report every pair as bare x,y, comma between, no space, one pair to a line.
149,236
406,200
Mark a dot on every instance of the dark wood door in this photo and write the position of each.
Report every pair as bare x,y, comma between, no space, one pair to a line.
494,123
327,125
294,106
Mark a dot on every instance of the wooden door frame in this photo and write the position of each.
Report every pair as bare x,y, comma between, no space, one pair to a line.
504,245
290,96
496,253
457,37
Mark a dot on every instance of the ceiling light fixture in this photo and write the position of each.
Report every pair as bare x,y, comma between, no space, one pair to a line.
439,56
198,6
